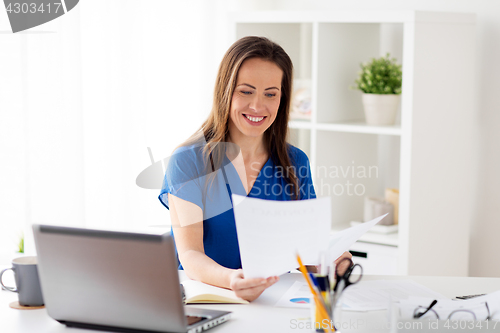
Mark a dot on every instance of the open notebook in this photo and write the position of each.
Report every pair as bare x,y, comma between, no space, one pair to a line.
199,292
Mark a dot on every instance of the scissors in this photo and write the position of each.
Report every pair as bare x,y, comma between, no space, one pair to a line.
346,279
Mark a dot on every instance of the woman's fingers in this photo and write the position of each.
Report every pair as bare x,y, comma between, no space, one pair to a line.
342,263
345,255
244,284
239,282
250,289
252,293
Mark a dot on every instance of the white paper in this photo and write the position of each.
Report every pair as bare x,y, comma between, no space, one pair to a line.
445,307
342,240
297,296
271,233
368,295
378,295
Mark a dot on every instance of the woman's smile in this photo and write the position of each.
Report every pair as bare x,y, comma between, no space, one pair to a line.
253,120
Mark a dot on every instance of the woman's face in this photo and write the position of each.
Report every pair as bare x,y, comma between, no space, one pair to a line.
256,98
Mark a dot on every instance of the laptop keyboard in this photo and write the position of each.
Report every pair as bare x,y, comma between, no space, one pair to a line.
193,319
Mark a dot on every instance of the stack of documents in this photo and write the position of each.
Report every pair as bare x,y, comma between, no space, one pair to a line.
380,294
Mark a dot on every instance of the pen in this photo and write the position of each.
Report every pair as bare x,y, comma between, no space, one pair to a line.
323,280
336,293
332,276
323,286
317,297
313,280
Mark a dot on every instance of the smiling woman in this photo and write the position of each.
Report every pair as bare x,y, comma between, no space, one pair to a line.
241,148
253,110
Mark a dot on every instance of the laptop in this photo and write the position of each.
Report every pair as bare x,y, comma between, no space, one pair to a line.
115,281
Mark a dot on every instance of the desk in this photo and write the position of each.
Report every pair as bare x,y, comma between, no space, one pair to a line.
260,315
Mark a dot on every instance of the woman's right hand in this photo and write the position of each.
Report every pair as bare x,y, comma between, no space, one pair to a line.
250,289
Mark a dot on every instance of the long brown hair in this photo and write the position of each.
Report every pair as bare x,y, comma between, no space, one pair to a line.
216,128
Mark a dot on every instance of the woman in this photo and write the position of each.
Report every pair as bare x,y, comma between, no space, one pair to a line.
241,148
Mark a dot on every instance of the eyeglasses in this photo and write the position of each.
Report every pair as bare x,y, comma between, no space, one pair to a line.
458,314
464,314
420,311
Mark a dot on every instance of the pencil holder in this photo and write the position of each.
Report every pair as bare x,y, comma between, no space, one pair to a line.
314,321
317,323
337,315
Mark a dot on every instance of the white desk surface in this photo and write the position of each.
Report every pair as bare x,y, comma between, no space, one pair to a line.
260,315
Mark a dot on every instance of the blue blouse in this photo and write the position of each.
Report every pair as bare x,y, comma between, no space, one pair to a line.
186,178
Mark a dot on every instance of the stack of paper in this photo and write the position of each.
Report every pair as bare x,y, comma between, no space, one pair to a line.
380,294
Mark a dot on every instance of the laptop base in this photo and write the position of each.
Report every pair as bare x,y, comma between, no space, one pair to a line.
104,328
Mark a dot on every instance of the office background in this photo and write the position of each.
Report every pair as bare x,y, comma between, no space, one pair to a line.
83,96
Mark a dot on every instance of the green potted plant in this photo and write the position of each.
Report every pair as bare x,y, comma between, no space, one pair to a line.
380,81
20,244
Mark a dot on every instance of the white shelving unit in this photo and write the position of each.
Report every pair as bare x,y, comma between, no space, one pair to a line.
347,127
425,154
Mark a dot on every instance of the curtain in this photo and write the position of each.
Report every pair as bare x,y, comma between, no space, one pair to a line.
84,96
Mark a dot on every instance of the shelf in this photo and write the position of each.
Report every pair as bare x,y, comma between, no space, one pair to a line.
349,127
382,239
300,124
352,16
347,154
359,127
389,239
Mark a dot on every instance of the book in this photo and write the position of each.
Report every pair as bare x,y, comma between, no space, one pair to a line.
198,292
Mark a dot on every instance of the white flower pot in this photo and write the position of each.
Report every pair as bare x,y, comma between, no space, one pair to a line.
381,109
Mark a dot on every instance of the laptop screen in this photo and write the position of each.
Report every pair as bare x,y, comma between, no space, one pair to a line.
110,278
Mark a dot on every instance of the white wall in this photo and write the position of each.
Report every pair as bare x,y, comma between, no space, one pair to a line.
81,103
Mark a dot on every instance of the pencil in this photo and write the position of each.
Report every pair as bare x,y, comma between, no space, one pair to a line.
319,304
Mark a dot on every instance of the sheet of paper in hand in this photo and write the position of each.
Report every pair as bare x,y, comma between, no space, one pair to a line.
271,233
